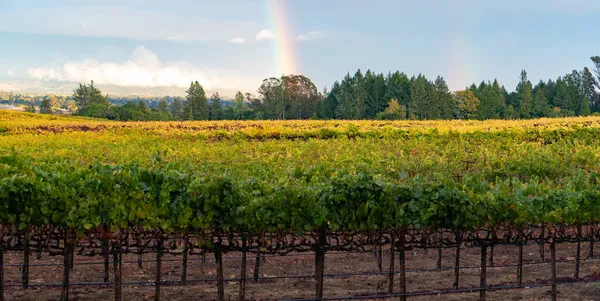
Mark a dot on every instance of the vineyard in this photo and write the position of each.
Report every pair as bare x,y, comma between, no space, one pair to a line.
395,193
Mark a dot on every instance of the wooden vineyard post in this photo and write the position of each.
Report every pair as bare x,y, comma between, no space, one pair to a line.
159,251
520,266
1,273
553,255
257,264
578,252
482,279
402,262
72,257
25,270
457,260
591,255
392,259
543,245
105,255
220,281
439,259
520,259
379,258
184,262
319,264
64,295
242,292
139,254
117,268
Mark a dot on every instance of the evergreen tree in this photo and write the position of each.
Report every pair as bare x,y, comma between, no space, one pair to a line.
584,109
573,81
163,106
588,86
375,98
397,87
197,101
330,101
540,104
238,105
596,61
188,112
524,94
419,99
177,108
346,98
510,112
442,101
87,96
216,111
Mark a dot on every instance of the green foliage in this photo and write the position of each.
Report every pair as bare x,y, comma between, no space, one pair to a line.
88,97
238,106
46,106
394,111
584,109
198,104
466,104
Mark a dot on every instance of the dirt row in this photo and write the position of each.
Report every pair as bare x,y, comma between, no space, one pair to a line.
296,265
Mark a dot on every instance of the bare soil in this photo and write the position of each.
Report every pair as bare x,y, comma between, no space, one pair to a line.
303,265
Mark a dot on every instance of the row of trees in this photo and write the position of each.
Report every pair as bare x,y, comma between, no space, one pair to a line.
359,96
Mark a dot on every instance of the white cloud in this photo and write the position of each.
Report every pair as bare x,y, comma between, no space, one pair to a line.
238,40
144,69
264,35
11,72
313,35
179,37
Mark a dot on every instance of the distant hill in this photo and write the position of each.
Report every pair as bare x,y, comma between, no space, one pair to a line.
66,88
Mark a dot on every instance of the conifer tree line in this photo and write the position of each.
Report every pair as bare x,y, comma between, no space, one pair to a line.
360,95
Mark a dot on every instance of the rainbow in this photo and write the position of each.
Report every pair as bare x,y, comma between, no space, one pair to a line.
284,53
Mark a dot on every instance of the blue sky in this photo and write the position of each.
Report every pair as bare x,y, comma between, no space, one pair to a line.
154,43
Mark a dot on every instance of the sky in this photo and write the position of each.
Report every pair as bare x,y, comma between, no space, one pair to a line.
233,45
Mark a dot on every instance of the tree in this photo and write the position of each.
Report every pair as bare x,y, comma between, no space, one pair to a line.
540,104
329,105
596,60
442,100
238,106
29,108
375,98
301,95
197,101
397,87
524,94
163,106
346,98
492,100
188,112
510,113
87,96
466,104
177,108
216,112
394,111
585,110
46,106
419,106
273,102
588,86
